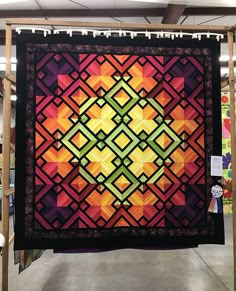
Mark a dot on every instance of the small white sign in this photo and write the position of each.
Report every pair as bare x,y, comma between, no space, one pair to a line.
216,166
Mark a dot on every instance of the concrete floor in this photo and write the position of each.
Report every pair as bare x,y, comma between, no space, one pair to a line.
207,268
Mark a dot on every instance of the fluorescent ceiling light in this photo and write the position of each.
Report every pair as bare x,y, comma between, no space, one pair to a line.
11,1
225,58
3,67
3,59
13,97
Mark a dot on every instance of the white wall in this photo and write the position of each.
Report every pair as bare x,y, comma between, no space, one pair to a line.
3,53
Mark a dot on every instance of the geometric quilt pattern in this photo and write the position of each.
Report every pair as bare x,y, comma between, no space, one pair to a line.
120,142
122,156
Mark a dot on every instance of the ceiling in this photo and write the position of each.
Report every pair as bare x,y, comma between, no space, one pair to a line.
200,12
154,11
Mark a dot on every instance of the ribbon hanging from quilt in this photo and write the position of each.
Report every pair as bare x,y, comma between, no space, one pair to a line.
114,138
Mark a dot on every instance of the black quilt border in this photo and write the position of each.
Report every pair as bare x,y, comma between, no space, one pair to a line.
22,242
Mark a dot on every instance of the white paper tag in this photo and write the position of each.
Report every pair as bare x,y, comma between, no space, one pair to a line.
216,166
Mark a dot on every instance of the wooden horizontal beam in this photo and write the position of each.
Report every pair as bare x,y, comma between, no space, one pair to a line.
148,12
112,25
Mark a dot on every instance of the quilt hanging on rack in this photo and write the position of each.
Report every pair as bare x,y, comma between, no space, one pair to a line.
226,151
114,140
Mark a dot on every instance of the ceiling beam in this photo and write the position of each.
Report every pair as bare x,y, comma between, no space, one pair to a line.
173,13
149,12
210,11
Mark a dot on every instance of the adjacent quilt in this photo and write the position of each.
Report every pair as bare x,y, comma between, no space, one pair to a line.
226,150
114,139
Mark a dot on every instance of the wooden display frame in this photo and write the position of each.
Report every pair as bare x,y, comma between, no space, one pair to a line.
133,26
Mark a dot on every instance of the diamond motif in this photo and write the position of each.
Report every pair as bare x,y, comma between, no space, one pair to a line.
101,102
163,140
122,183
112,137
122,97
122,140
164,98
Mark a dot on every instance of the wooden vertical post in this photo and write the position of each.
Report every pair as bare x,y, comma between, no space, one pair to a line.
6,158
233,139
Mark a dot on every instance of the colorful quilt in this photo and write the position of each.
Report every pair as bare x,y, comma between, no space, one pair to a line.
114,138
226,150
